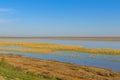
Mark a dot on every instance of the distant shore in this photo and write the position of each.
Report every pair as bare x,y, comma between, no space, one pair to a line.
68,38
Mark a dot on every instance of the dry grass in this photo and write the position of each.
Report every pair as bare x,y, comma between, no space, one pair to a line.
34,47
63,71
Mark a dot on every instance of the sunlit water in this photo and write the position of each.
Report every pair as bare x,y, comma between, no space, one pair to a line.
97,60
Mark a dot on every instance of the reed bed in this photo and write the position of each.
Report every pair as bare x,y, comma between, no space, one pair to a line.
35,47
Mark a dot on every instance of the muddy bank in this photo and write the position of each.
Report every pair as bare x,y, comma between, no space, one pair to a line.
62,70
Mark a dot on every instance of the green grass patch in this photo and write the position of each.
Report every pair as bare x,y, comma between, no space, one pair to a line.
10,72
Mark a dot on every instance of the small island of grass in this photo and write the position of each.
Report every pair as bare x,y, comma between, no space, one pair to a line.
35,47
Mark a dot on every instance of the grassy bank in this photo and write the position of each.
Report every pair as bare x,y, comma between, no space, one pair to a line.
10,72
16,67
34,47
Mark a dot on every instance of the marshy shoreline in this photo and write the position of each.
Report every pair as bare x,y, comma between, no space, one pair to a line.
37,47
40,69
64,71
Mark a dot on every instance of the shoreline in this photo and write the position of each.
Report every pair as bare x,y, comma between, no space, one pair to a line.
69,38
60,69
37,47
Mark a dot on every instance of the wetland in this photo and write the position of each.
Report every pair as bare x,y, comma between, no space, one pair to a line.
86,55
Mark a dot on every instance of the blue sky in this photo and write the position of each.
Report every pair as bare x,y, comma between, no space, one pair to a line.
59,17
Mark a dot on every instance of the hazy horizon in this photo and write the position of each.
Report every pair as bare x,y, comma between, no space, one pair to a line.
77,18
51,36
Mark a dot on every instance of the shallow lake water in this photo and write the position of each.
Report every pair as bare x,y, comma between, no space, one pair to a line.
96,60
87,44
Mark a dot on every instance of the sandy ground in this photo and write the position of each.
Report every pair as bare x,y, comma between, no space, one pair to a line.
2,78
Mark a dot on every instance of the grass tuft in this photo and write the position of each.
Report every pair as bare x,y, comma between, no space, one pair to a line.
10,72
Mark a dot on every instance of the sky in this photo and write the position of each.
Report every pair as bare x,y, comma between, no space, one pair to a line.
60,18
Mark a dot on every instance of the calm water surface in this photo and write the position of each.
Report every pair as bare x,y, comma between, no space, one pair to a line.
97,60
88,44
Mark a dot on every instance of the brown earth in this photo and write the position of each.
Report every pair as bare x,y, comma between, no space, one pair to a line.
67,38
2,78
59,69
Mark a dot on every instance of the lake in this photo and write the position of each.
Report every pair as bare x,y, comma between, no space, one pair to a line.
87,44
97,60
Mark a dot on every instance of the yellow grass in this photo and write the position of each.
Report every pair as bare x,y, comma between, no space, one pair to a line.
15,64
35,47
